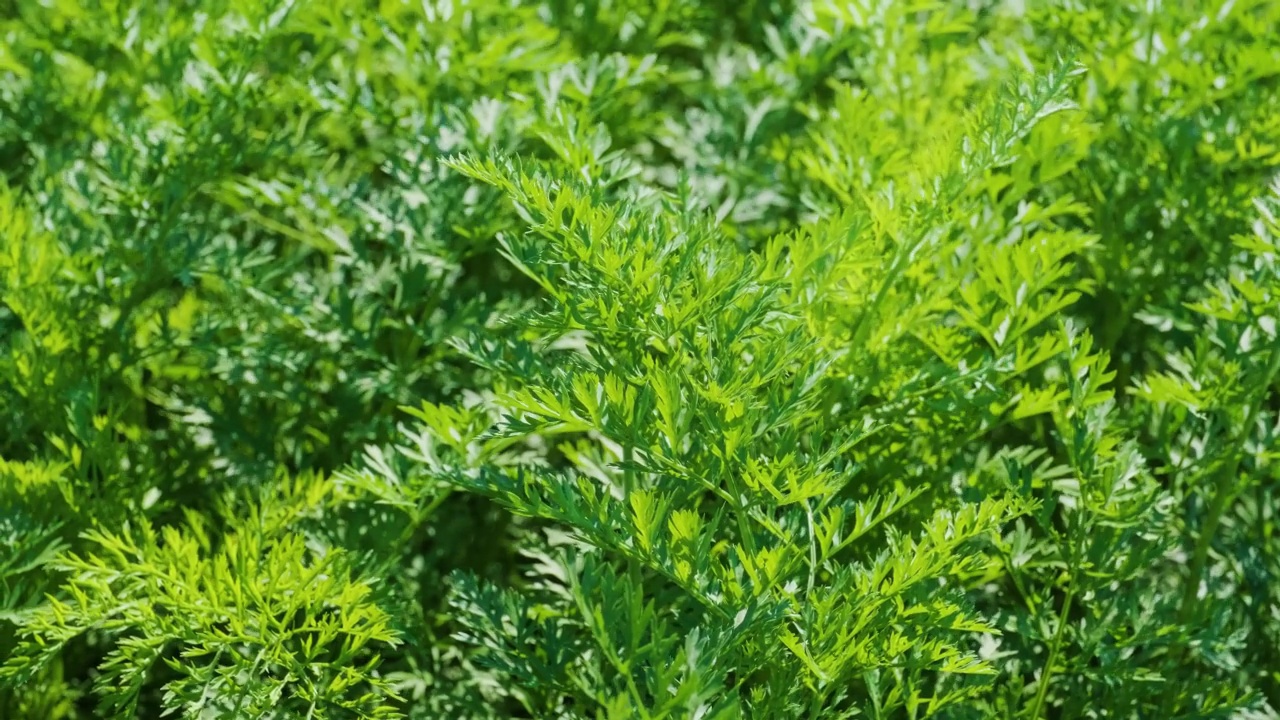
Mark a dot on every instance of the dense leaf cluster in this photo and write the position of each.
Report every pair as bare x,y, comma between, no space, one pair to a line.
639,359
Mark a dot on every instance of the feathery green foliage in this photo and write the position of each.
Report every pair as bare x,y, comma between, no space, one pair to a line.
614,359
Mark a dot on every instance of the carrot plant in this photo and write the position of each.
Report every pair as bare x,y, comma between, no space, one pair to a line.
616,359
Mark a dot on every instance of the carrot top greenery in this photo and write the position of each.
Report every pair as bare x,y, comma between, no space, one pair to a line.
659,359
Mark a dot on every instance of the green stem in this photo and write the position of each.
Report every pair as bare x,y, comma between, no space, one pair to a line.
813,550
742,516
1055,648
636,578
1222,494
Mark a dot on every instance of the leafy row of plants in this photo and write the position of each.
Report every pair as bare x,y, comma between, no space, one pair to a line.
613,359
